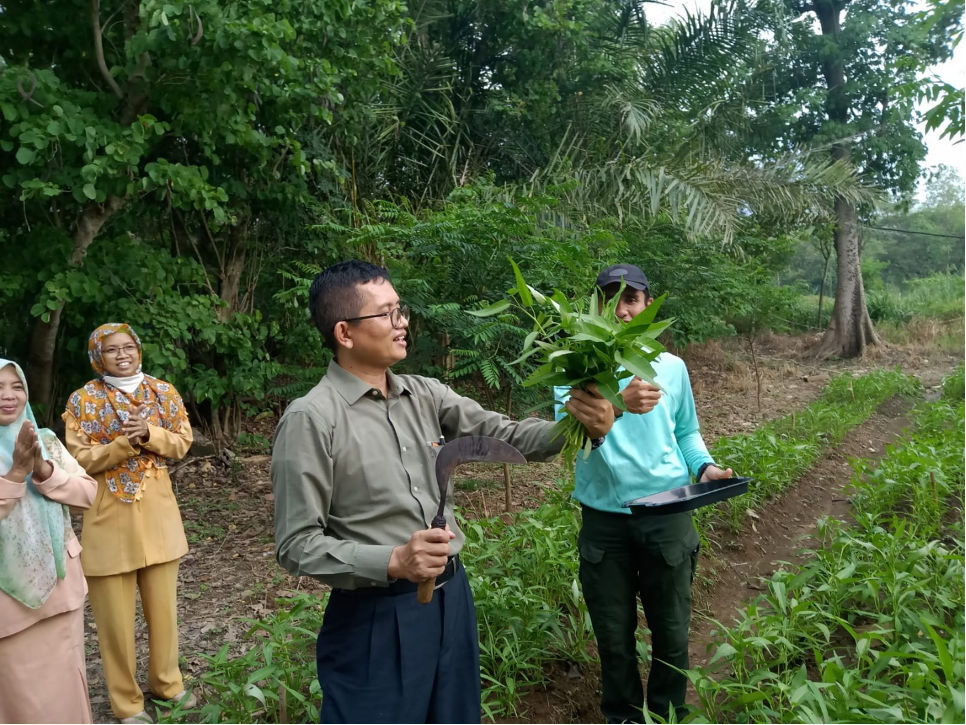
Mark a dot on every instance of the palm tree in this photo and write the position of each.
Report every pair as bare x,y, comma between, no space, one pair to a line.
622,119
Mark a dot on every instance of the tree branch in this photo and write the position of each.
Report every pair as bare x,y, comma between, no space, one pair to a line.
201,261
214,244
99,49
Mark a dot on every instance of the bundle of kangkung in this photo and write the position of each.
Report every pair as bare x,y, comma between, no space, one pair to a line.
575,344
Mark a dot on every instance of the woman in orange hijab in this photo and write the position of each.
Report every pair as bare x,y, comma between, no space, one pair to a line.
122,427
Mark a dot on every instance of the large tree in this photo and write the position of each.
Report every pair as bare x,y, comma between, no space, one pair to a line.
619,117
841,74
194,123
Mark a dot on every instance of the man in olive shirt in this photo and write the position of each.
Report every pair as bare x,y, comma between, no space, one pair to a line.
355,492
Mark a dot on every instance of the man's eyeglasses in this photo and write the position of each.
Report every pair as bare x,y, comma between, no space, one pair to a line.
396,316
113,351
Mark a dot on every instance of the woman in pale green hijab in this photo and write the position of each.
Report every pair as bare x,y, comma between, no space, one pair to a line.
43,676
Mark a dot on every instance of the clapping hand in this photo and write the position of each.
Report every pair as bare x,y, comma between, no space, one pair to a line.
28,456
135,427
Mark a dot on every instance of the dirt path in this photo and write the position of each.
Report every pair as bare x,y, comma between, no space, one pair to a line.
230,575
775,536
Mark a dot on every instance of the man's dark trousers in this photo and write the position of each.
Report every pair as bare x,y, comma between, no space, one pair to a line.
623,556
389,659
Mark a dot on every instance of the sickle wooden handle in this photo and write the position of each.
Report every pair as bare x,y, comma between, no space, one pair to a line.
424,595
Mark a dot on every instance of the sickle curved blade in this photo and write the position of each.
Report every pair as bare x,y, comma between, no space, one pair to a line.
470,449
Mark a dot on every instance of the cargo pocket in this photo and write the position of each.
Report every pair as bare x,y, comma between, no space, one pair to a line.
592,554
682,560
590,570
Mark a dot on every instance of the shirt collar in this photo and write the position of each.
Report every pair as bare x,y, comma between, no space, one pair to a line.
352,388
396,385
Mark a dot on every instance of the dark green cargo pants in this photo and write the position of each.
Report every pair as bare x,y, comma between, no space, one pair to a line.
654,557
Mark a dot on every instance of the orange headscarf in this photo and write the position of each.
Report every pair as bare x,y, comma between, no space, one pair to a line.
99,409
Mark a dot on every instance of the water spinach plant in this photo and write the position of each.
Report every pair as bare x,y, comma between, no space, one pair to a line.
871,627
579,343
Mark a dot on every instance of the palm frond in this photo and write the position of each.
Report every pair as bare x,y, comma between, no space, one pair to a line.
714,197
693,56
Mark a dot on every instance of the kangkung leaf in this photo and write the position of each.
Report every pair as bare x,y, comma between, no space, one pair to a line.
491,310
522,290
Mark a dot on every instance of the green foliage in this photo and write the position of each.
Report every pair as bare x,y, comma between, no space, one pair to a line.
899,245
886,306
453,257
187,172
274,680
575,347
882,47
854,636
954,386
871,628
927,240
253,442
195,132
183,328
920,474
529,606
713,291
947,17
938,297
235,83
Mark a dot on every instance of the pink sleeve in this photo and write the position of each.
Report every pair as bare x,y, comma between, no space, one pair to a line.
10,493
75,489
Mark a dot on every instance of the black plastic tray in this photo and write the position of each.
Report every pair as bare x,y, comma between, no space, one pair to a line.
688,498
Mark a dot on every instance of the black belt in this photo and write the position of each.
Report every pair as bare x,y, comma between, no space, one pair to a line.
402,586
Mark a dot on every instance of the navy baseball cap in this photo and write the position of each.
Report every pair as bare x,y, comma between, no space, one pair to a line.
632,276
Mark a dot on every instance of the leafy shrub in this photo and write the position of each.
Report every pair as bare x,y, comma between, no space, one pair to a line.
954,386
886,305
940,296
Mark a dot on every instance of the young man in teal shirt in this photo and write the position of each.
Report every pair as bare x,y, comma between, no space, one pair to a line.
655,446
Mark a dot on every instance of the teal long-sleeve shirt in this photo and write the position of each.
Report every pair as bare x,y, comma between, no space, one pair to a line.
644,454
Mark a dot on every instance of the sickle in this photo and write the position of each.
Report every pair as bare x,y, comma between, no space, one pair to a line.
469,449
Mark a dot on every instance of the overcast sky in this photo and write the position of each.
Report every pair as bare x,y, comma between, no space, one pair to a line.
953,71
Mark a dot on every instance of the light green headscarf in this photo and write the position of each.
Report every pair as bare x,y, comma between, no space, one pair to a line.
32,535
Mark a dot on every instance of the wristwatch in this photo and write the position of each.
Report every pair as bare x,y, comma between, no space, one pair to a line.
596,443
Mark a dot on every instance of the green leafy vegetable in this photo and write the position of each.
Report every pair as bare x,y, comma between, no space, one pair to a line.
583,342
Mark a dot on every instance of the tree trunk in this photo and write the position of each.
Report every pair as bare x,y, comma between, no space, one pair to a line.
233,268
507,476
43,340
226,413
821,292
850,330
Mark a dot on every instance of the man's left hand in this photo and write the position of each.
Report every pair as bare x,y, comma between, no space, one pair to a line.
593,410
713,473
